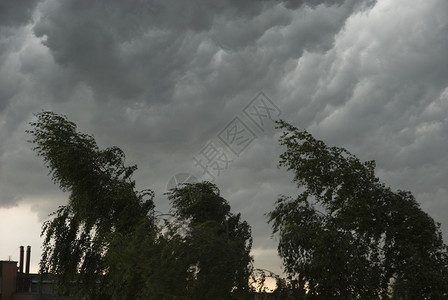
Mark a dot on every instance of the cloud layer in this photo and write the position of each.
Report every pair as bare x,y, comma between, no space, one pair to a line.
161,79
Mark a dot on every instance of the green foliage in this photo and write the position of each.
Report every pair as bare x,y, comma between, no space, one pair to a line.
217,243
284,289
106,243
347,235
103,207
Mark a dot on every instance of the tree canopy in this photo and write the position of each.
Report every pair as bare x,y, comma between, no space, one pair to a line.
345,236
218,243
107,242
349,236
103,205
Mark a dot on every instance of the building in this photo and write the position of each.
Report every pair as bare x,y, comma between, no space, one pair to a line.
17,284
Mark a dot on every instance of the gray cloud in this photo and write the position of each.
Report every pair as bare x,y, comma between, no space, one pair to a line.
132,51
13,13
161,78
381,91
158,58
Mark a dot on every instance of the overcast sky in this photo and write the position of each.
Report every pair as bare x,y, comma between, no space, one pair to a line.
190,86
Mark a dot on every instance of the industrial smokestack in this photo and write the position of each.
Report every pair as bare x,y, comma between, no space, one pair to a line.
21,260
28,257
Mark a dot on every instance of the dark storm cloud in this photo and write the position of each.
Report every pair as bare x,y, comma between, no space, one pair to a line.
142,50
14,13
293,4
14,17
182,68
161,78
391,80
381,91
129,48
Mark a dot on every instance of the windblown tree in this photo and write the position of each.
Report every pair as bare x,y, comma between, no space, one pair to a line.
85,239
216,243
349,236
107,243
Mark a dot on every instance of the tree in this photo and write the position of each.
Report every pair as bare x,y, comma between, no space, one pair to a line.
216,243
107,242
84,240
347,235
284,289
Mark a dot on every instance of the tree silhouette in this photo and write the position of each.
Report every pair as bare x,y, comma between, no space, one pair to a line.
347,235
107,243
